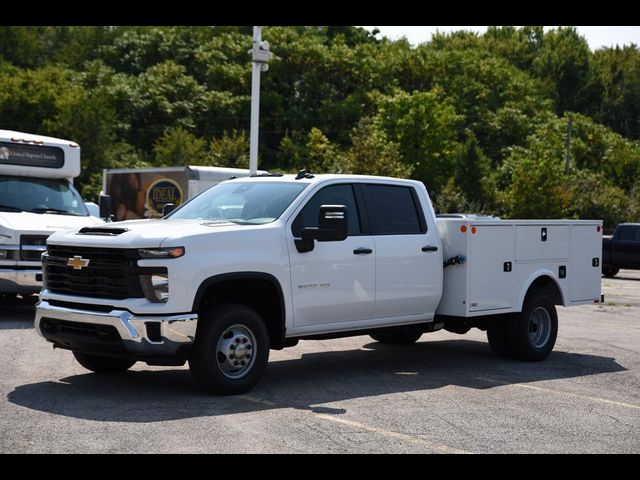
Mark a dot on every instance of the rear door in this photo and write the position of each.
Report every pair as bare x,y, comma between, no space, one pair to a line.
408,273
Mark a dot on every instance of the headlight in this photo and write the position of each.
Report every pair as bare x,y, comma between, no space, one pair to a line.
9,252
155,287
170,252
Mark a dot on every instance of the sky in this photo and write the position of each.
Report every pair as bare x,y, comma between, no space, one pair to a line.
597,37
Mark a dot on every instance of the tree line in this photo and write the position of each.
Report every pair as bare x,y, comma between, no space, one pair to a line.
480,119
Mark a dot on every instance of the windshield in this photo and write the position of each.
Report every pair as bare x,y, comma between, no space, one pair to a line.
40,195
246,203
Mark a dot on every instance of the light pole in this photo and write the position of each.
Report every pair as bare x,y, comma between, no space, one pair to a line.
259,57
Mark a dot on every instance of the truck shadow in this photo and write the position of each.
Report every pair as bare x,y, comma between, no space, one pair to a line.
306,383
17,314
622,277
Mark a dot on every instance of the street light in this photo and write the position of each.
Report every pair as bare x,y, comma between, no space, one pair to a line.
260,56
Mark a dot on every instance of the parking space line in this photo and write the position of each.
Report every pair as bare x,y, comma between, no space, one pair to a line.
562,392
389,433
380,431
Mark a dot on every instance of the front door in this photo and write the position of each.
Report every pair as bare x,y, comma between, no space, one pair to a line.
333,283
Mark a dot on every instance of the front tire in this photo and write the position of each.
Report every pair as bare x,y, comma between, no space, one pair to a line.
610,271
99,364
532,333
231,350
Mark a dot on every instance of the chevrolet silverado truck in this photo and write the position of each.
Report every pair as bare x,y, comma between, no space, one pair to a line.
622,250
259,263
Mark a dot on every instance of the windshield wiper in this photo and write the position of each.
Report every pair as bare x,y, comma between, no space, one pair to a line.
10,208
56,211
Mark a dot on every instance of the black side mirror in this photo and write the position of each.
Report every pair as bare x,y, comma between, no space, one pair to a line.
105,206
332,226
168,208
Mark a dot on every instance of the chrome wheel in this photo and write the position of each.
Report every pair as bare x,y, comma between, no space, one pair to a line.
539,327
236,351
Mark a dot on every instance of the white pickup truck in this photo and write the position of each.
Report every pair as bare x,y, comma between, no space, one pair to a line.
259,263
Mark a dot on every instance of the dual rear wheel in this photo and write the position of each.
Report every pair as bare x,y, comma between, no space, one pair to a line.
529,335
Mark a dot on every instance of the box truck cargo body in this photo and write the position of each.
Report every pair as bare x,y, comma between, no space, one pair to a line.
143,192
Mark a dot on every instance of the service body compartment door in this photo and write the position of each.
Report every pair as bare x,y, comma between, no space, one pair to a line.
584,273
542,242
490,263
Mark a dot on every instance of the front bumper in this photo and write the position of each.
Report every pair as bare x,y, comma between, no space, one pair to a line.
20,281
117,333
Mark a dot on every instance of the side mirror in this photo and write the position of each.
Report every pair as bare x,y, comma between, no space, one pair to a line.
168,208
332,226
105,206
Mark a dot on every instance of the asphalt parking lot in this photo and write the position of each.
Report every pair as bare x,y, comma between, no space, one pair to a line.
446,394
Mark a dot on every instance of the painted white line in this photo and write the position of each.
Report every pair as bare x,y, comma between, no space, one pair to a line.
561,392
361,426
388,433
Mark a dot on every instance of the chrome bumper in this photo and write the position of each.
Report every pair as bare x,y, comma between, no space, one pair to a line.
176,331
20,281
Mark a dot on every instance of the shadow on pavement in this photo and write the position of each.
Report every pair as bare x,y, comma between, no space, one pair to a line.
17,313
621,277
306,383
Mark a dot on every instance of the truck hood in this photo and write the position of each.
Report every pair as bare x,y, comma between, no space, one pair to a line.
146,233
41,223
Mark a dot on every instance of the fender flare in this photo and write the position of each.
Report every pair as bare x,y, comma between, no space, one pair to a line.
233,276
530,281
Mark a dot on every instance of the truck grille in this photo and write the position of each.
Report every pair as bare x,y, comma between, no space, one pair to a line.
32,246
111,272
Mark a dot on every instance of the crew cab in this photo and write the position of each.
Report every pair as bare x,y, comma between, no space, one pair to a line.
622,250
259,263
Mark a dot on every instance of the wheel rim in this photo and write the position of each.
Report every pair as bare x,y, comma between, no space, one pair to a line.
539,327
236,351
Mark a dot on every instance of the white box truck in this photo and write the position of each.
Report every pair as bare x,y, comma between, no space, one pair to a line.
37,198
143,192
258,263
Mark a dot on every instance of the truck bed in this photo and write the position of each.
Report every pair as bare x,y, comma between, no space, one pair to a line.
504,257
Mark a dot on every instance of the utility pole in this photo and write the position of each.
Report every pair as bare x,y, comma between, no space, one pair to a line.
567,162
259,57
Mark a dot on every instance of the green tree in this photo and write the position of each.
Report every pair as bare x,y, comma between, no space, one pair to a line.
472,175
564,61
230,150
618,73
423,125
372,153
178,147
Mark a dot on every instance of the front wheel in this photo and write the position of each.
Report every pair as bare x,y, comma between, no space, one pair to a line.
532,333
610,271
99,364
231,350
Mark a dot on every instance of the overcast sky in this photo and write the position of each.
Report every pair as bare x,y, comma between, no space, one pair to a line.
596,36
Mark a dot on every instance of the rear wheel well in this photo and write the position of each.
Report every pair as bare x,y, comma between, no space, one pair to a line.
547,286
260,293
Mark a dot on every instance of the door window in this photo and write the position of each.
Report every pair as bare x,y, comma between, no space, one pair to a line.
331,195
393,210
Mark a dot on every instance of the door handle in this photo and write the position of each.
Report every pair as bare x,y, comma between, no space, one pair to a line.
430,248
361,251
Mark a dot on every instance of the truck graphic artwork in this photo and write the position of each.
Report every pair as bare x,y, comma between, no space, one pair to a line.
161,192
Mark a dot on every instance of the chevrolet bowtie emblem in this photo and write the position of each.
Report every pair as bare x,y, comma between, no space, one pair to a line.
78,263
